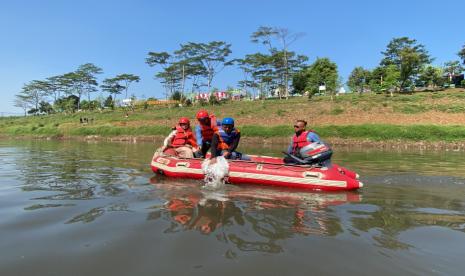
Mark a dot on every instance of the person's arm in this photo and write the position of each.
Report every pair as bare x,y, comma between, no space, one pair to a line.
192,142
289,148
313,137
198,135
214,145
235,143
168,139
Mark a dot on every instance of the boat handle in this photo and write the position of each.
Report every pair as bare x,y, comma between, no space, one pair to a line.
312,174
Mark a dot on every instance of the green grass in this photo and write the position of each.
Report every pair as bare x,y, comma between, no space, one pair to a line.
158,120
262,131
438,95
452,108
379,132
35,130
375,132
117,131
411,108
409,98
336,110
281,112
459,96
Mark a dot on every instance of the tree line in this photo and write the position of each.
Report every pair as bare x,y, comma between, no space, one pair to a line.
274,70
66,91
406,64
194,65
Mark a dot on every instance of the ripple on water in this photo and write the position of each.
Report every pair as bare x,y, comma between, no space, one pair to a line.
99,204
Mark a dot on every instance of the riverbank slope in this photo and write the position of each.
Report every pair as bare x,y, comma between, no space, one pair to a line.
432,118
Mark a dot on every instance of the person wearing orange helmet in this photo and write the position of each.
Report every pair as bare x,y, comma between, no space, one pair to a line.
204,131
181,141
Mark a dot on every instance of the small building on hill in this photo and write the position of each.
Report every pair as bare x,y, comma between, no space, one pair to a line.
454,79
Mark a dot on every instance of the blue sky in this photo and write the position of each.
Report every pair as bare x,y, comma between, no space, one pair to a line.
45,38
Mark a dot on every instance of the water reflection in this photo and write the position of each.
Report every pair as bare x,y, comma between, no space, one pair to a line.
75,170
404,207
74,185
94,213
41,206
265,216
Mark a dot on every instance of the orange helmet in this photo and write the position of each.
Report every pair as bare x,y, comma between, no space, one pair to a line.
202,114
184,120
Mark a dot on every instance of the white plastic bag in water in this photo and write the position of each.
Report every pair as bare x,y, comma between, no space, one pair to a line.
215,172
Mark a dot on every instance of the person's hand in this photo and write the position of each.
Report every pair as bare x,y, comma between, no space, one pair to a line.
195,149
226,154
197,154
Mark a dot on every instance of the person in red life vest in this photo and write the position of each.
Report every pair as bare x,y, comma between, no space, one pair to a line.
204,131
181,140
308,146
226,140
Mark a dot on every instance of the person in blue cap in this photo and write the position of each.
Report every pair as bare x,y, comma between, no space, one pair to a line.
225,141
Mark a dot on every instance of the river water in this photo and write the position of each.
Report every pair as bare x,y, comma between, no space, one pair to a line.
95,208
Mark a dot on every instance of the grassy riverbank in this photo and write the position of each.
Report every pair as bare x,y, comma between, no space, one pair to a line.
427,116
375,132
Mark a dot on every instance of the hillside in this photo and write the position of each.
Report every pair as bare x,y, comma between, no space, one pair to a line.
420,116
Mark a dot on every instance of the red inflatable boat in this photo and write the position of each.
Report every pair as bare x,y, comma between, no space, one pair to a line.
263,170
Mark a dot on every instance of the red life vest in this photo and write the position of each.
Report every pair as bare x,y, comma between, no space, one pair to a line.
207,131
300,141
182,137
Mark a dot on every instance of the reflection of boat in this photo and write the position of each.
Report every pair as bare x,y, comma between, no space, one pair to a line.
263,170
270,211
286,197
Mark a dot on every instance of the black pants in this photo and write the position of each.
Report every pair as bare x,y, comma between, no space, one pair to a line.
289,160
204,148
